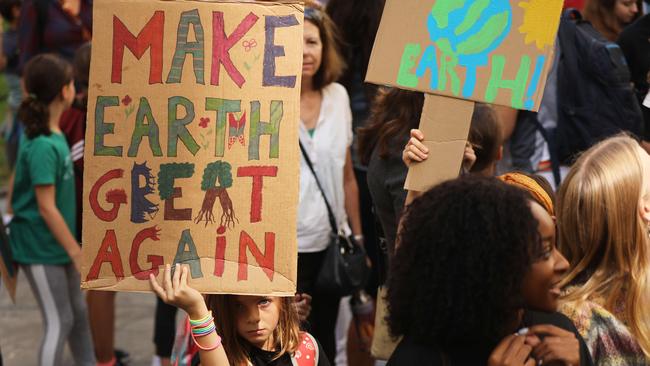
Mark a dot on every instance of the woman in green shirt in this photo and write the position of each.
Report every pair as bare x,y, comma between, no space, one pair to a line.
43,202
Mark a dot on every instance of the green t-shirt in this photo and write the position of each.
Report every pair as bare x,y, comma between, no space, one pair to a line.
44,160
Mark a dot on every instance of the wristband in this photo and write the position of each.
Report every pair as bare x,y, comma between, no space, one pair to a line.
216,345
203,327
203,321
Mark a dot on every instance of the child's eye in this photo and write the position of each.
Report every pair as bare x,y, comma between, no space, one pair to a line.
264,302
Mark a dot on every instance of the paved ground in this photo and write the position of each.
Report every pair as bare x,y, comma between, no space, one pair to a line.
21,326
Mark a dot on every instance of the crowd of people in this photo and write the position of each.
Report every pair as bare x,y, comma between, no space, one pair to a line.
538,253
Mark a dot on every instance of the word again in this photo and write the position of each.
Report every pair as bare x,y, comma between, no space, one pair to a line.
186,253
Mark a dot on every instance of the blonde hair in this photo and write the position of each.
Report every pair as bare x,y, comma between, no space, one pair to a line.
602,234
286,334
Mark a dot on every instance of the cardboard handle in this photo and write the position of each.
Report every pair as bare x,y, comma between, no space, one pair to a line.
445,123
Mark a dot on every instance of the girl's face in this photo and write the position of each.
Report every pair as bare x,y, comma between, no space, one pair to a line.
257,318
541,289
625,10
312,50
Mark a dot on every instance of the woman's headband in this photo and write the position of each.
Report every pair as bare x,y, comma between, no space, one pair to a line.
528,184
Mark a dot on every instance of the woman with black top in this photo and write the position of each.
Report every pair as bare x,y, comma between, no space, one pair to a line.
474,281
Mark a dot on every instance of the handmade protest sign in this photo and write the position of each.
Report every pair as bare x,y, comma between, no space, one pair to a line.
492,51
191,147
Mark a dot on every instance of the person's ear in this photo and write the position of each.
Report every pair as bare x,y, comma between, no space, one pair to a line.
644,209
67,91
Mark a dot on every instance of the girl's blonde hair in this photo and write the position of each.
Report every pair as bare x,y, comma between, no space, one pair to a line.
286,334
602,234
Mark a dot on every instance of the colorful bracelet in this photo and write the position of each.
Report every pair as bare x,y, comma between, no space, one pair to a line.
203,331
203,327
211,348
203,321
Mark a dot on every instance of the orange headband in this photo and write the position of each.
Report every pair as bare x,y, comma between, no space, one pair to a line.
529,185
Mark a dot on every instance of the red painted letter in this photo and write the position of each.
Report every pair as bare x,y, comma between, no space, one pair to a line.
220,256
265,261
117,196
176,214
108,252
221,45
155,260
257,172
150,37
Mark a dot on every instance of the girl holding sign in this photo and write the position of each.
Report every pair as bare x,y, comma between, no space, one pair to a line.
43,201
256,330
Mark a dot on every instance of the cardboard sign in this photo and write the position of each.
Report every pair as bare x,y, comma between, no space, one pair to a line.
192,144
445,135
492,51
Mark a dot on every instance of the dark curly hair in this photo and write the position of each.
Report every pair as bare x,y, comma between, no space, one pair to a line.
456,279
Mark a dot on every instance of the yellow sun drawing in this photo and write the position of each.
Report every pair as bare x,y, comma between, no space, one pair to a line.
541,21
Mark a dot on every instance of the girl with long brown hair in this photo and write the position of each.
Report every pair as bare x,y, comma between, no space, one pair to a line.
240,330
604,218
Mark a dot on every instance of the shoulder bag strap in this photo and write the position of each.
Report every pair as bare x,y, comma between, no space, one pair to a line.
330,214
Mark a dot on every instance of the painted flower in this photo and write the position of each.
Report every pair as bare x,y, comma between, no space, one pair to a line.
204,122
126,100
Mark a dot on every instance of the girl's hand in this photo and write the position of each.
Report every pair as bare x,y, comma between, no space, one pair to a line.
512,351
415,149
175,291
302,303
76,259
558,346
469,157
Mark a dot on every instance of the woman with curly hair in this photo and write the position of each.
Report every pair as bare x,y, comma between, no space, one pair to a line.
603,219
475,280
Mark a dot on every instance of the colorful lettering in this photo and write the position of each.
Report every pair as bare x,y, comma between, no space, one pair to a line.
184,48
150,38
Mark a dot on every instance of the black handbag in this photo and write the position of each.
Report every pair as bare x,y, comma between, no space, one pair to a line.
344,268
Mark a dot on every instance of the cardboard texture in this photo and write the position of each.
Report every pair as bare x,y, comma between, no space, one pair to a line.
492,51
8,270
459,52
383,344
445,136
191,153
